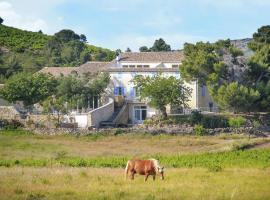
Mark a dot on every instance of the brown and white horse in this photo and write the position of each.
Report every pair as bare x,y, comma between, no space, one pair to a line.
144,167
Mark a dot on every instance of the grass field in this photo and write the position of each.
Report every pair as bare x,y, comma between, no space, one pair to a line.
91,167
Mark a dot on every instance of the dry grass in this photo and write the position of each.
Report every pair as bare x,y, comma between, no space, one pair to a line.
91,183
32,146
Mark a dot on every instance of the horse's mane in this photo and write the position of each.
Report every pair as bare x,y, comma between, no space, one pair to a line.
156,163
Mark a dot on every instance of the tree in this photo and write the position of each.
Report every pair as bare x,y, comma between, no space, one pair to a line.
83,38
1,20
160,45
128,50
160,91
28,88
236,98
144,49
67,35
118,52
76,90
220,66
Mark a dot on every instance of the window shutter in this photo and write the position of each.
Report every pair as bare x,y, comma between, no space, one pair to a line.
115,91
132,92
123,91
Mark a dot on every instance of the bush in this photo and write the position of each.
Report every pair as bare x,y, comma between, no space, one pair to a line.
10,125
214,122
237,122
195,117
199,130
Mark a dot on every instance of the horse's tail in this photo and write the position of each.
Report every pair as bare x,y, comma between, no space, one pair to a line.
126,170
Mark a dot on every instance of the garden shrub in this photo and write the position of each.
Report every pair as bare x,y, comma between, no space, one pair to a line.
195,117
237,122
214,122
199,130
10,125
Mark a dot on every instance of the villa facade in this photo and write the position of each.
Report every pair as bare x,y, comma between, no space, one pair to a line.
128,107
127,65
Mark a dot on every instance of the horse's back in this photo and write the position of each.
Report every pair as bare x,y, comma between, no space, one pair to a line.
141,166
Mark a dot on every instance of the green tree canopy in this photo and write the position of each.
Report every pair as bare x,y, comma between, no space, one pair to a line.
160,91
144,49
28,88
160,45
236,98
1,20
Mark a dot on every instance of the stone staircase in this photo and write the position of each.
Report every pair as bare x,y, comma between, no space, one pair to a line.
113,120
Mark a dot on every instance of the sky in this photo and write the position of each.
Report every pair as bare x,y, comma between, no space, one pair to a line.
118,24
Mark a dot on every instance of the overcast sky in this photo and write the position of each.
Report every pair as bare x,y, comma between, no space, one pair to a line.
133,23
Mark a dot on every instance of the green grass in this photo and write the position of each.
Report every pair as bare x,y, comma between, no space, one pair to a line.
91,183
35,167
251,158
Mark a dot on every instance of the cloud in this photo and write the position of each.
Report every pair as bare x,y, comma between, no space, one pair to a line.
12,18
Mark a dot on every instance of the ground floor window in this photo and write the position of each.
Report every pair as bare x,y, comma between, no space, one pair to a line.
140,113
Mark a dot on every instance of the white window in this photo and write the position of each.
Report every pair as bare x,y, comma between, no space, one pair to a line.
140,113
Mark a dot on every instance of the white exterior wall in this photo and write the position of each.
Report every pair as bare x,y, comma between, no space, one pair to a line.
124,79
151,65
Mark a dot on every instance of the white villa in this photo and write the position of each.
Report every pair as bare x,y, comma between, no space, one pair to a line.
126,108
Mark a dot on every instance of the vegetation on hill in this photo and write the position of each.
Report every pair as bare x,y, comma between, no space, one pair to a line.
236,83
30,51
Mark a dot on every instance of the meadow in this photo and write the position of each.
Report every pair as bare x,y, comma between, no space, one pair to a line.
92,167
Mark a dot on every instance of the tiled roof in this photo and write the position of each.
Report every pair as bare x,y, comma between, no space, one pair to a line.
92,67
174,56
58,71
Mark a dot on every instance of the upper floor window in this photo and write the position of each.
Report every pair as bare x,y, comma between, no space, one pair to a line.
147,66
175,66
132,66
118,91
139,66
125,66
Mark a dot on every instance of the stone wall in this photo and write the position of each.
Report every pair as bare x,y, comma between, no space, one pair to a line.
9,112
100,114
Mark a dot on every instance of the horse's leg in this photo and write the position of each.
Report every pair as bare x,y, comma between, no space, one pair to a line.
132,175
154,177
146,176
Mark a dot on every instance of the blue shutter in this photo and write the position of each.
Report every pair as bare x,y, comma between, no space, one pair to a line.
123,91
132,92
115,91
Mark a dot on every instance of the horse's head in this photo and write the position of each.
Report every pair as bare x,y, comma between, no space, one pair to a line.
161,172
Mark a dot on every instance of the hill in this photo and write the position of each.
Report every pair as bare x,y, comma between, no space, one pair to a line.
22,50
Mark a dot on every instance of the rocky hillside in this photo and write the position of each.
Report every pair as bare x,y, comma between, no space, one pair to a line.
243,45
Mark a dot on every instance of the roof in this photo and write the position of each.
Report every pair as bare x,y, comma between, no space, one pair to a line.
92,67
58,71
172,56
